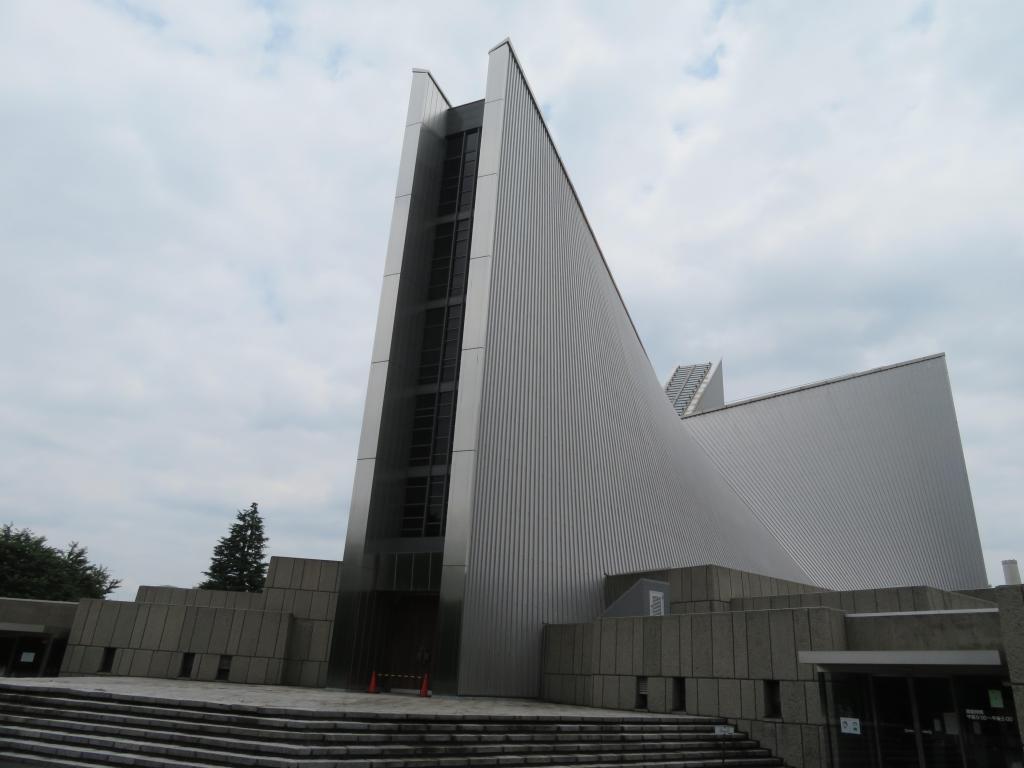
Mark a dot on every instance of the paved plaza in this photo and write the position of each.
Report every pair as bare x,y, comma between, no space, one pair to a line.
320,700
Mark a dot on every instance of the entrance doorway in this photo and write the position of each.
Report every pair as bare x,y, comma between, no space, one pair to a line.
894,721
30,655
900,721
406,644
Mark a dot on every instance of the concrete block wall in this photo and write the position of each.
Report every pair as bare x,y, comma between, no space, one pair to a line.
1010,600
308,590
208,598
706,588
281,635
50,614
976,630
716,662
152,638
866,600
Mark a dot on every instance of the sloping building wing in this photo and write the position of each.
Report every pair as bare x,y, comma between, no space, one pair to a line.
862,478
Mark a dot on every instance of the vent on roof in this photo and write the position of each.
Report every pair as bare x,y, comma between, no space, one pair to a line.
657,603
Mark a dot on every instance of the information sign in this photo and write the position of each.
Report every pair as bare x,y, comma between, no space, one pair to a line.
850,725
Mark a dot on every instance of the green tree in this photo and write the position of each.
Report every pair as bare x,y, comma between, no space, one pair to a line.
32,569
237,563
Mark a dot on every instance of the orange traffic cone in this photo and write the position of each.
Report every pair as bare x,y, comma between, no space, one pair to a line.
373,683
425,685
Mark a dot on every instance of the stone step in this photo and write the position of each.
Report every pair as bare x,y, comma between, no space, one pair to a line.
97,758
61,728
54,692
83,720
32,753
248,753
59,755
684,724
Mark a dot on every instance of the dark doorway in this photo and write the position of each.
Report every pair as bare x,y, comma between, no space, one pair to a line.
990,730
24,655
938,722
890,721
894,712
406,647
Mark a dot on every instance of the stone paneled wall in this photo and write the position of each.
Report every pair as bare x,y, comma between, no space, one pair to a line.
308,590
49,614
206,598
967,631
151,638
717,662
867,600
705,588
280,635
709,664
1010,600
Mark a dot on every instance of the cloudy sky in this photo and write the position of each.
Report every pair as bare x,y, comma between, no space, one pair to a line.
195,197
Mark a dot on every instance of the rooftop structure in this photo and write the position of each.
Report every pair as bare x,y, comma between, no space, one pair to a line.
695,388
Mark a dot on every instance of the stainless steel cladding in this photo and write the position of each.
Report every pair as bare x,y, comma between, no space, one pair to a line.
384,440
861,478
566,461
574,463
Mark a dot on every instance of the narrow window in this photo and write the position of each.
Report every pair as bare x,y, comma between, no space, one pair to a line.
678,694
224,668
107,662
772,699
187,662
641,693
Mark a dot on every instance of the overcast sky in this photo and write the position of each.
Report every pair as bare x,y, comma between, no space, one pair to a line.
195,199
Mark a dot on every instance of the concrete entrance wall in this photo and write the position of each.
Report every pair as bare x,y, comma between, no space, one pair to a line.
721,659
279,635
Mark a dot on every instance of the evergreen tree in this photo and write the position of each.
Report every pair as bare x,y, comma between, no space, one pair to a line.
32,569
237,563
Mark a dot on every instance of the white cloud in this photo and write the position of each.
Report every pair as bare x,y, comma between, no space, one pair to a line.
194,209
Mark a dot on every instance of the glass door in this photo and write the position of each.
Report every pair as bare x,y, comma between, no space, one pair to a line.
992,739
938,721
894,712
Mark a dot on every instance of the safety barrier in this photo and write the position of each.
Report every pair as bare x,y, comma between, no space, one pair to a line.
381,681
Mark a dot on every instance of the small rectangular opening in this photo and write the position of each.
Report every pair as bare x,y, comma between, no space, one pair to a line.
678,694
107,662
224,668
188,660
641,693
772,699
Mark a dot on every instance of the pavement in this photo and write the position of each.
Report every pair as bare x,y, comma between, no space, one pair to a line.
317,700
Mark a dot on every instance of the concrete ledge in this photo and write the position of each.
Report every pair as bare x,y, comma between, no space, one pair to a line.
902,658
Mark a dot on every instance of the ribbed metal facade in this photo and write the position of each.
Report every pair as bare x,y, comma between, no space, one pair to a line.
581,466
567,460
379,482
862,479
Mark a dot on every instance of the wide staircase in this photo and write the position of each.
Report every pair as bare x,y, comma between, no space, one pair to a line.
40,727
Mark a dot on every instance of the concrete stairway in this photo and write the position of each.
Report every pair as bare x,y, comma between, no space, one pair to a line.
46,727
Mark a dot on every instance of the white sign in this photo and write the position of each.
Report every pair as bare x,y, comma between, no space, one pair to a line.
27,657
849,725
724,730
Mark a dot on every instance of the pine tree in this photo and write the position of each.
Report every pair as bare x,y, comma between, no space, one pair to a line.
237,563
